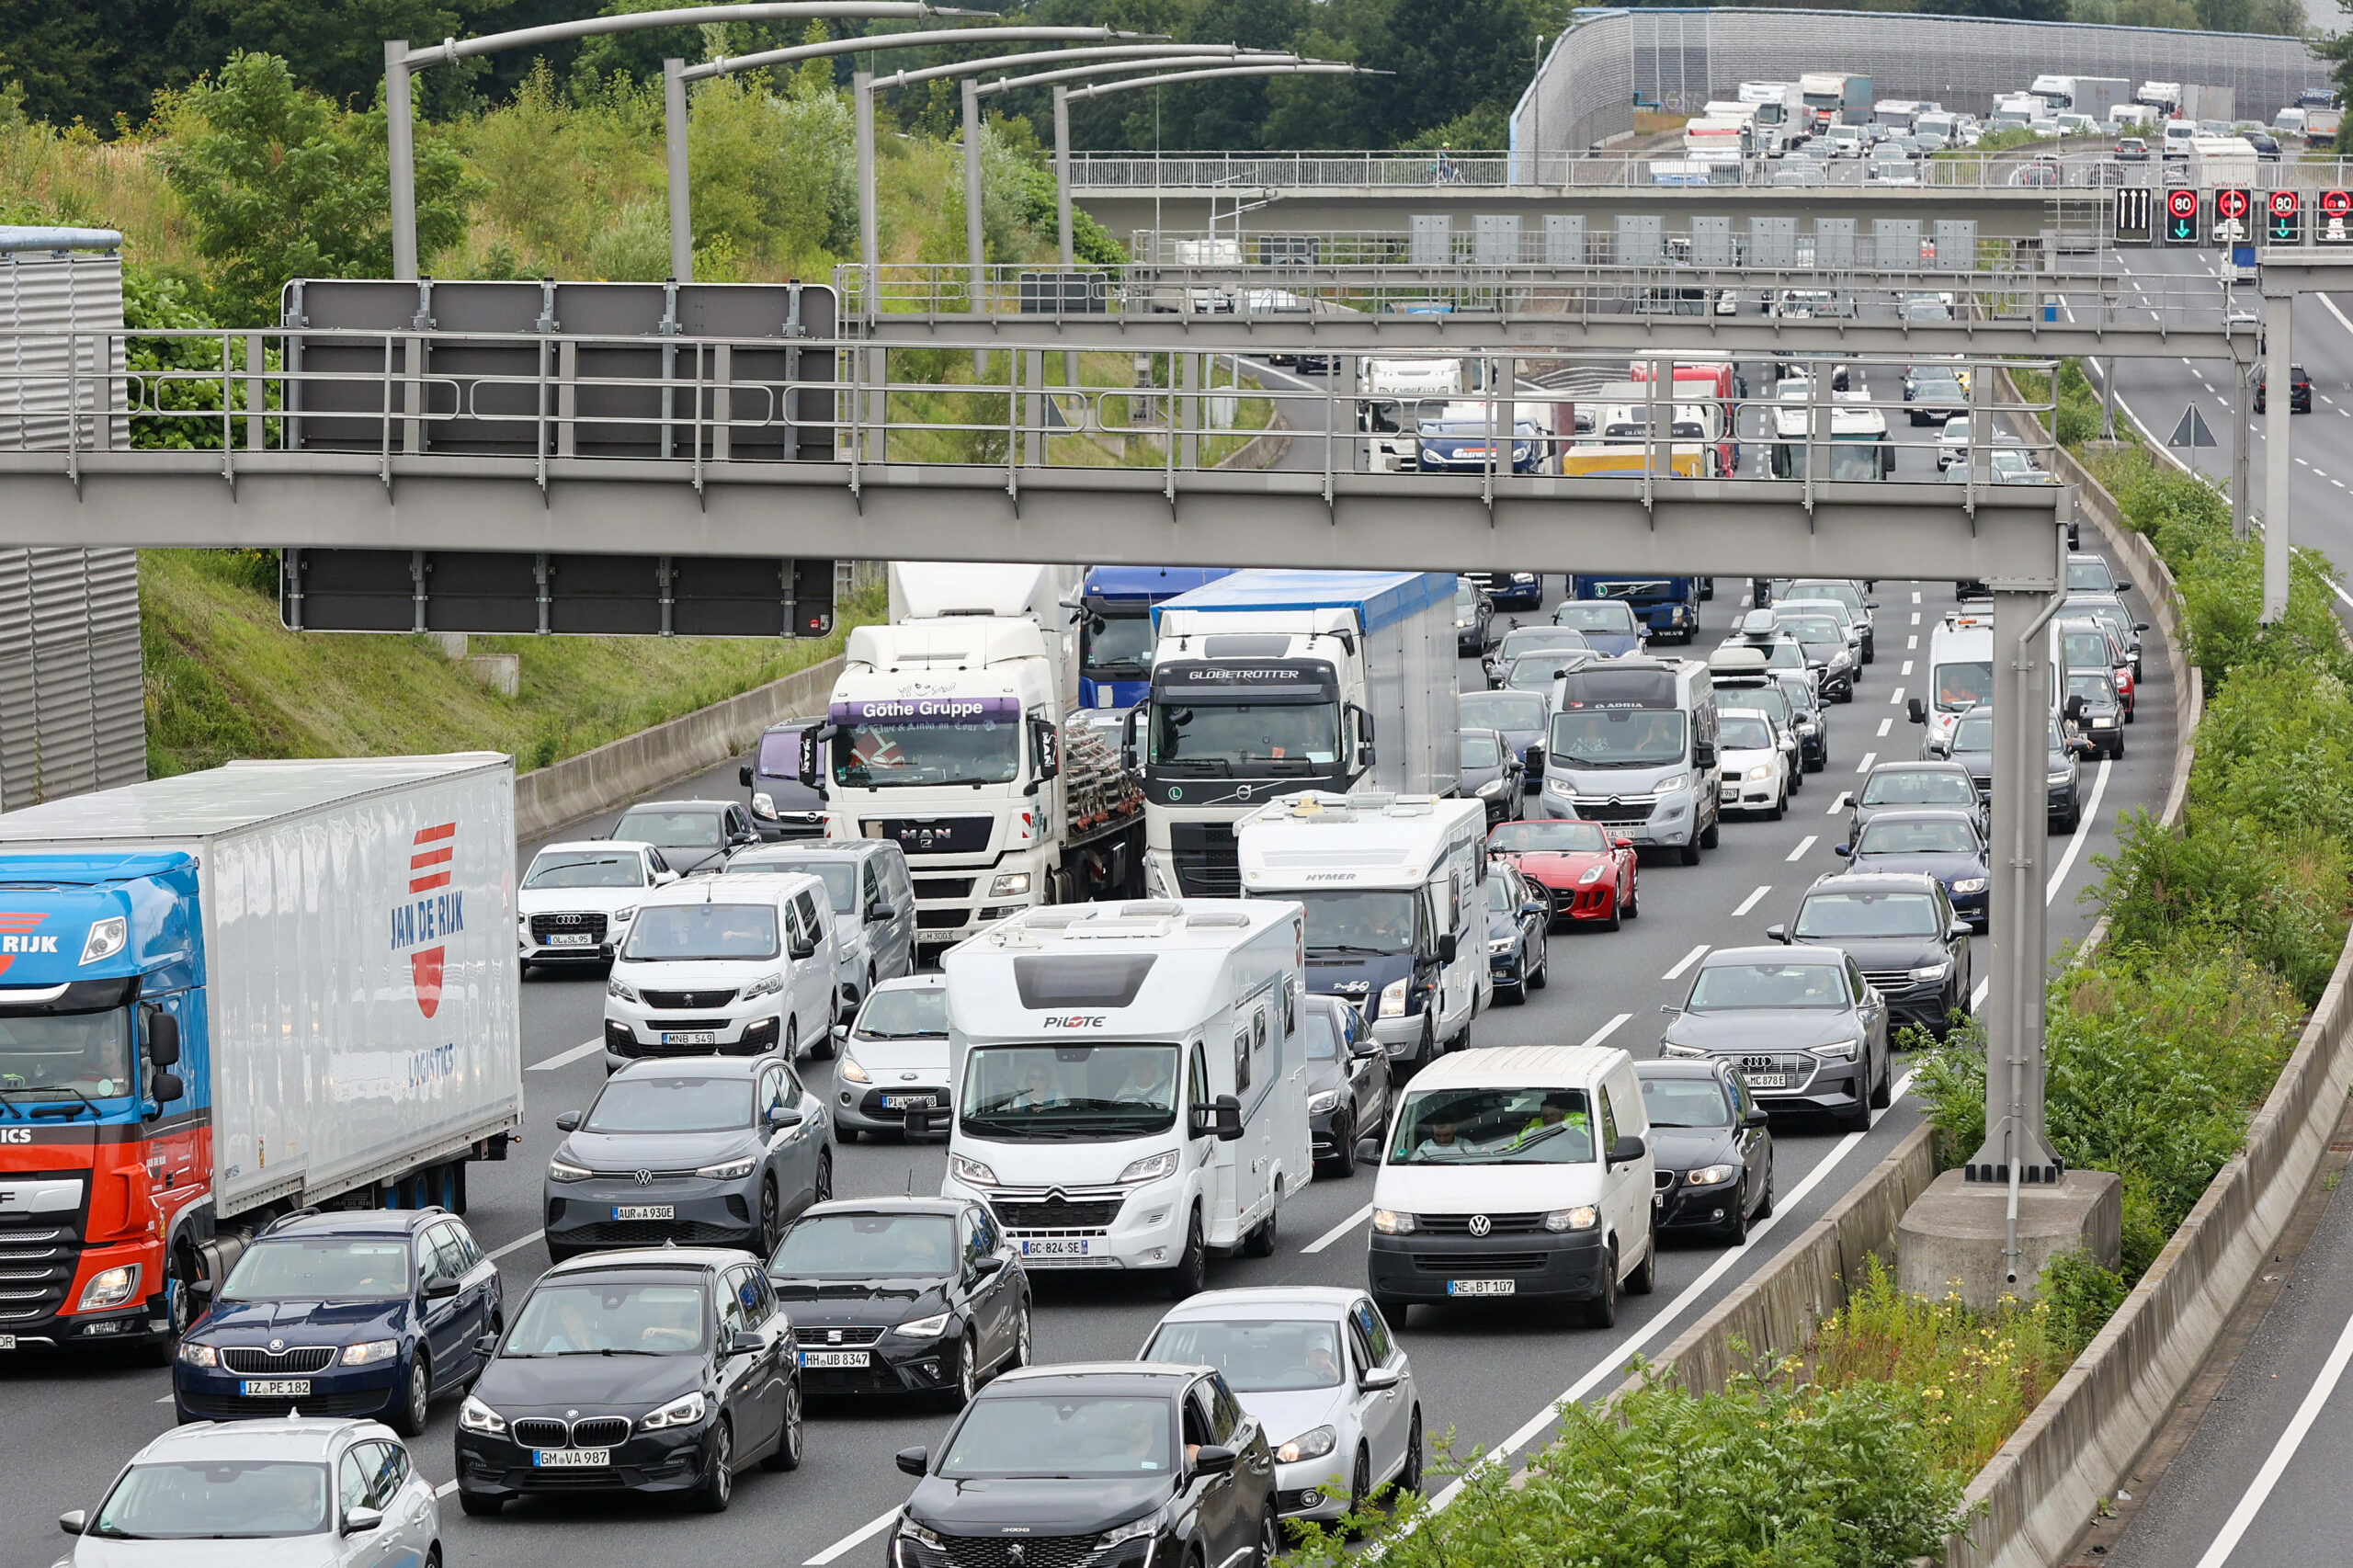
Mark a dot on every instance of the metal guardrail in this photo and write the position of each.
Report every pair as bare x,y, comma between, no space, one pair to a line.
671,407
1595,245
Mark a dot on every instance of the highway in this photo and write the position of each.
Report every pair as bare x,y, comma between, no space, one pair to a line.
1489,1376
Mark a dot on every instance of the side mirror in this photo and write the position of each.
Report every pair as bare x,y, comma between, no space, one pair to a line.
1214,1458
1959,928
568,1122
841,1031
1627,1149
1871,604
1621,844
1127,722
1368,1149
1754,1119
74,1521
166,1087
1045,748
744,775
1367,1046
1916,710
988,1263
1703,754
914,1461
359,1521
746,1343
783,1115
200,1286
2123,586
813,741
1378,1378
1842,850
440,1288
485,1345
1777,933
1670,1007
1531,907
876,913
1228,1111
1446,948
163,1039
805,948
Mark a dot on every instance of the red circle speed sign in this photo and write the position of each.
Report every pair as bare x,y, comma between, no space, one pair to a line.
2230,203
2336,203
2182,203
2283,204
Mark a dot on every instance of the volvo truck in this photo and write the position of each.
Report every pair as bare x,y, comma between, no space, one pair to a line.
229,995
1267,683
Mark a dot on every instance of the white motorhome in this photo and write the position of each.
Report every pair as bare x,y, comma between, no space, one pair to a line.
1393,886
1132,1081
1522,1172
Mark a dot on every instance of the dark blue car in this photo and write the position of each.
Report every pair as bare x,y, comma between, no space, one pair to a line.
1944,843
357,1312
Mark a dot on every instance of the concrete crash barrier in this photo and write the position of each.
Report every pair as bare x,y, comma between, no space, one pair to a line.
2043,1487
624,771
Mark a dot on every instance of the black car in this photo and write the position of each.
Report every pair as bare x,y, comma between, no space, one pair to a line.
1489,771
693,835
1475,617
1712,1153
1807,718
356,1312
1520,716
902,1295
2299,390
1518,917
1115,1465
660,1371
1511,590
1347,1080
1941,842
1824,644
1902,931
782,806
1905,786
2095,710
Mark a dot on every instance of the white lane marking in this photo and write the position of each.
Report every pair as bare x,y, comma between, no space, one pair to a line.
864,1532
1694,956
1916,595
445,1489
1804,845
1885,725
2082,828
2283,1452
1895,697
1906,669
517,1245
565,1058
1340,1230
1912,645
1916,618
1697,1290
1750,902
1605,1030
2331,306
1839,804
1865,765
165,1400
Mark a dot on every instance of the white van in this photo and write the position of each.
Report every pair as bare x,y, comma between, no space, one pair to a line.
1524,1172
1132,1081
734,966
1394,887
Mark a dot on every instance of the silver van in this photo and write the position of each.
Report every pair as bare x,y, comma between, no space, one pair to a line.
873,900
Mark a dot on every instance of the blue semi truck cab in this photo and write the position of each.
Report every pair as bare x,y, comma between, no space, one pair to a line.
1669,607
1114,629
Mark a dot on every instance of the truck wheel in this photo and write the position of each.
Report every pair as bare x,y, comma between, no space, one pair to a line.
1260,1242
1192,1264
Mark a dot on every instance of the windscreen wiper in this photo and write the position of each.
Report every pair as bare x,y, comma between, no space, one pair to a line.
1314,947
61,1109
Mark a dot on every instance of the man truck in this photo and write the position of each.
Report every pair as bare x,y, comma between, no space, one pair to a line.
229,995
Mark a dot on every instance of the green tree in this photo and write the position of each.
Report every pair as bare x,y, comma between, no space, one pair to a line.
282,184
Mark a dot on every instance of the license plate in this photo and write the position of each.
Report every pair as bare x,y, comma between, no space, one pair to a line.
1482,1286
8,1342
835,1357
646,1211
571,1459
569,939
1767,1080
903,1102
1074,1246
275,1388
692,1036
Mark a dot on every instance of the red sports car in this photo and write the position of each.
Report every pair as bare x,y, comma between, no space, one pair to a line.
1587,874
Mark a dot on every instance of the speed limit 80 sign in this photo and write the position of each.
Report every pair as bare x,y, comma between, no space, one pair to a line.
2284,219
2181,217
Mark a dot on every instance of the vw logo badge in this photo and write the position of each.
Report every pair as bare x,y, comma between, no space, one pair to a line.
1480,1224
644,1179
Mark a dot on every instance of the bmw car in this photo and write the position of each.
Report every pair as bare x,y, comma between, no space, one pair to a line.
1609,626
1943,843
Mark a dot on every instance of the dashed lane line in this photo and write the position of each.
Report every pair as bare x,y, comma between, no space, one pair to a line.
1804,845
1864,764
1694,956
1844,795
1605,1030
565,1058
1751,900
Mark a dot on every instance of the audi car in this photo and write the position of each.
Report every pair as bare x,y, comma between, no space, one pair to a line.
1804,1029
578,900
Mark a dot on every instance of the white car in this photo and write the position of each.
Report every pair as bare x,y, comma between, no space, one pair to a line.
321,1494
893,1057
577,899
733,966
1329,1383
1953,445
1752,767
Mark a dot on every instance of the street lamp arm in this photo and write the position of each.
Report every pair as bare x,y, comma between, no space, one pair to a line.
1305,68
999,61
1194,55
798,53
448,51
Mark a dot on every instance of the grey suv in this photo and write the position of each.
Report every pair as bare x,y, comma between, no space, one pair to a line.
1900,929
1806,1031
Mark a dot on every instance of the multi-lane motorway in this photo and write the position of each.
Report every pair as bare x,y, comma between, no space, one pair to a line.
1490,1377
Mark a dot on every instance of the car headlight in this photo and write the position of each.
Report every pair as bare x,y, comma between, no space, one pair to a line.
1312,1445
110,1287
1710,1176
619,989
1132,1530
1592,875
1759,771
1393,998
1499,944
564,1170
850,1070
683,1412
730,1170
1392,1221
970,1172
197,1355
766,985
623,915
476,1416
763,804
917,1533
1318,1104
1936,970
1461,625
371,1352
1970,884
2062,776
1005,885
1669,785
107,938
1582,1217
1841,660
931,1327
2104,721
1490,787
1839,1050
1152,1168
1670,1048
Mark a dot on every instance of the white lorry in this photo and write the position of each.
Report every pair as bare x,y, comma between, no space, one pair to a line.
1392,395
2090,96
1394,887
1265,683
1131,1082
1782,118
932,590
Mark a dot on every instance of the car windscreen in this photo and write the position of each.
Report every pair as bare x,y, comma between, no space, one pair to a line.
215,1500
1745,732
839,876
2095,687
610,1317
1323,1035
673,830
1120,643
2087,650
1813,629
1256,1357
1894,836
1598,615
1550,837
321,1268
1502,897
1868,914
1528,639
1480,750
1964,683
671,1102
1738,985
2090,577
587,869
1974,733
867,1246
779,754
1073,1436
1068,1091
912,1012
1617,737
1500,710
1488,1126
1908,788
682,933
1687,1102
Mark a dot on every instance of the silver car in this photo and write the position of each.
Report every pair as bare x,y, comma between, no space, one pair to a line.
1804,1029
323,1493
873,900
893,1057
1329,1385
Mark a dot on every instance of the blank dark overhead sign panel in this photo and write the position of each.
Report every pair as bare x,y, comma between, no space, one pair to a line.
524,593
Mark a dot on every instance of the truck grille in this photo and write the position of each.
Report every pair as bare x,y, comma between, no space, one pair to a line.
685,1000
932,835
260,1361
943,886
38,1263
941,919
545,926
1055,1213
1459,1224
1207,863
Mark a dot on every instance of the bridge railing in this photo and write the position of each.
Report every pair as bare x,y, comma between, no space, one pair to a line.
1599,247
